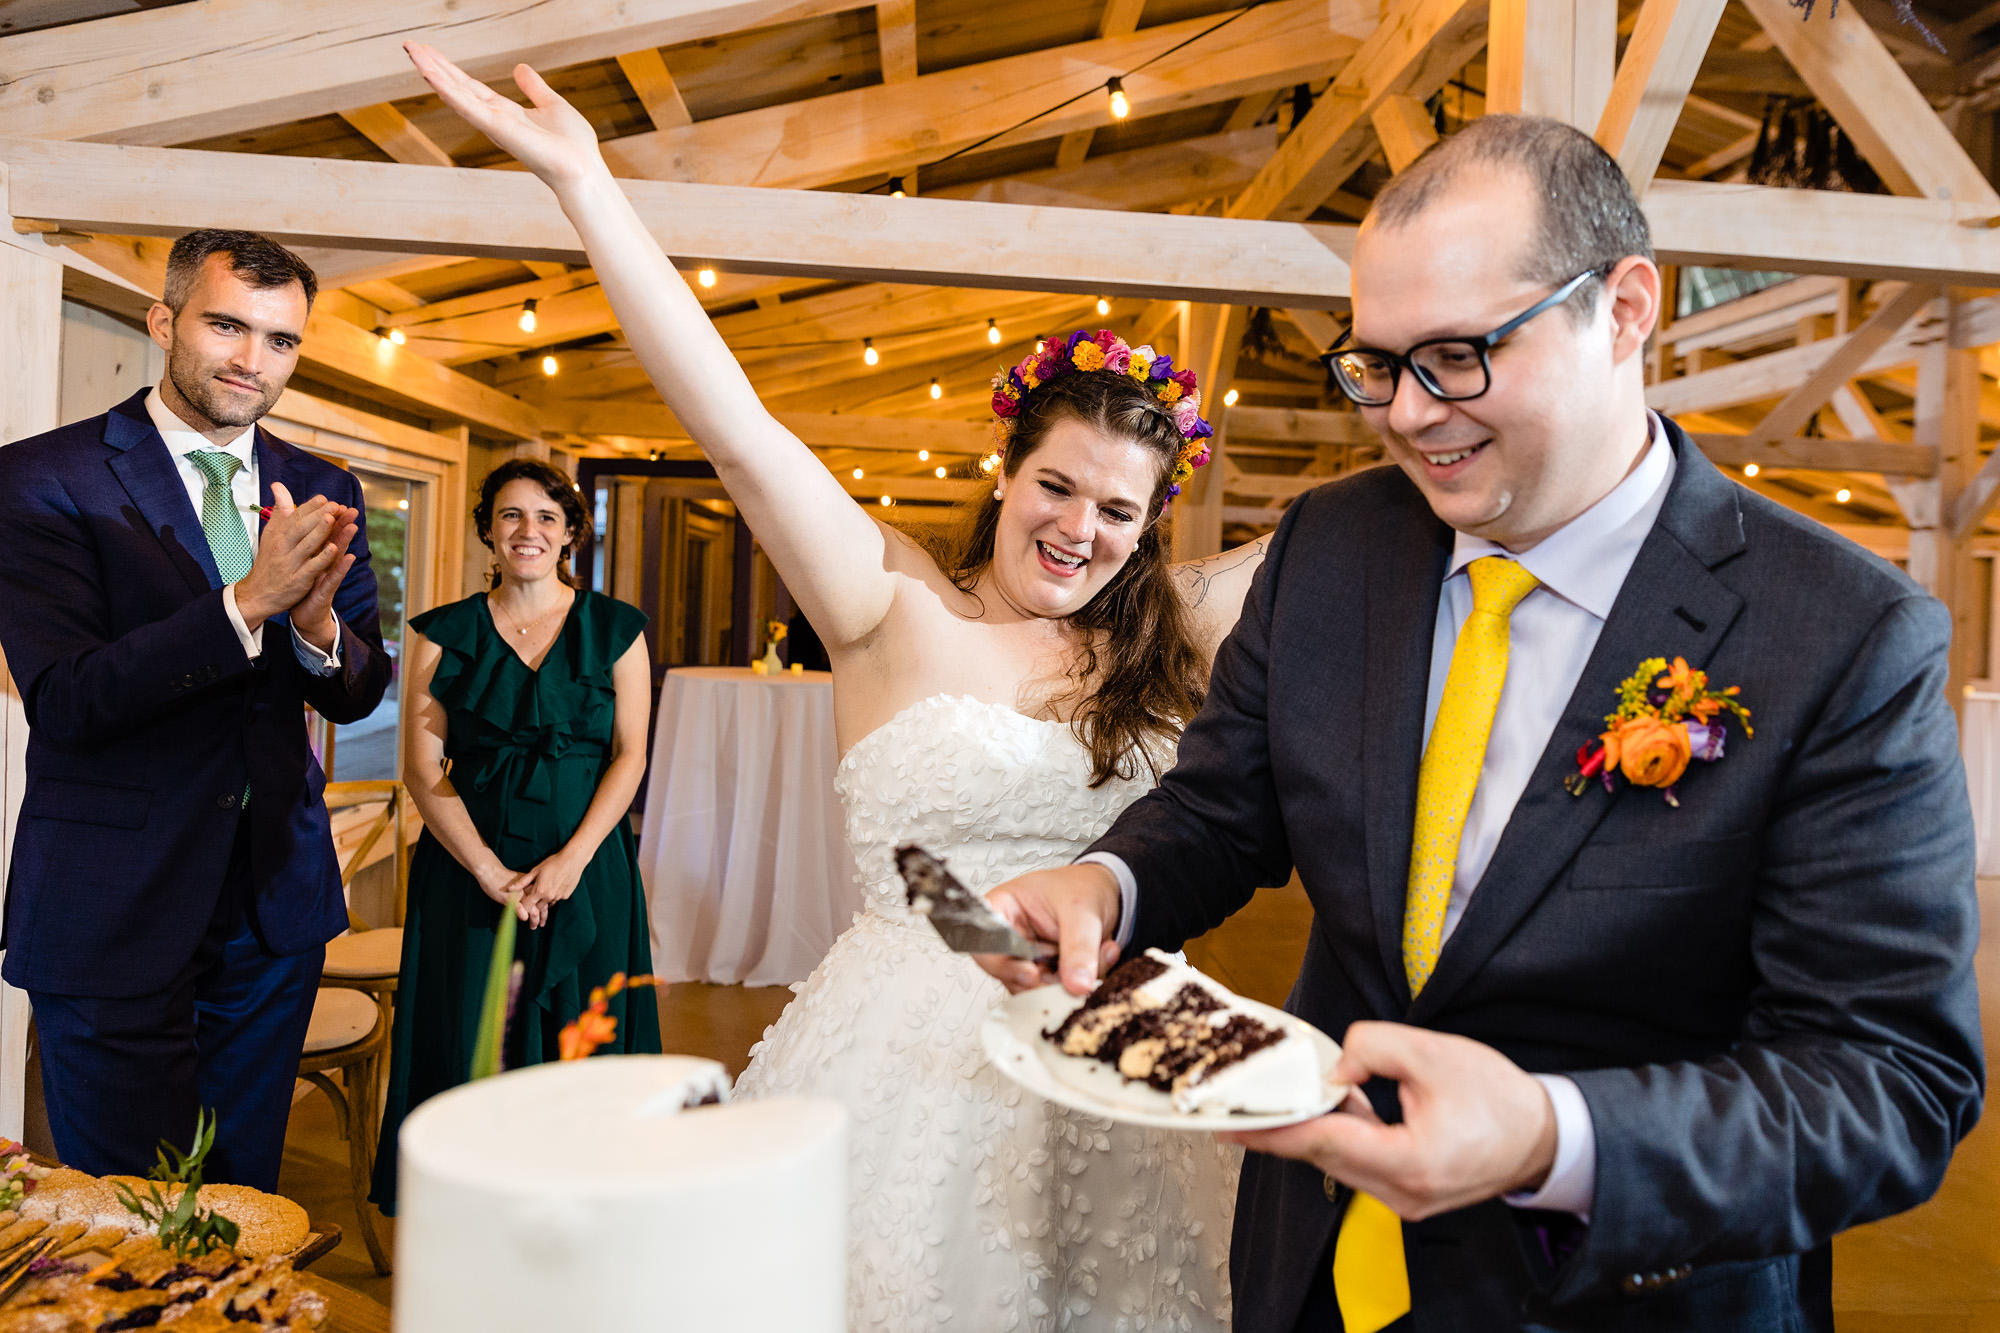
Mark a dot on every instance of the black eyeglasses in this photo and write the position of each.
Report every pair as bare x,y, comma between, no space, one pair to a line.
1450,369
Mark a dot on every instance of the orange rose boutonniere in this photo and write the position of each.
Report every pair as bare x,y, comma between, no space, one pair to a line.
1667,716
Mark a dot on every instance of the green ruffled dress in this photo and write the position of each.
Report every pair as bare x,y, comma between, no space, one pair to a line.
526,749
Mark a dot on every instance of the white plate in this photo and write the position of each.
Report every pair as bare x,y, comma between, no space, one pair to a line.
1012,1036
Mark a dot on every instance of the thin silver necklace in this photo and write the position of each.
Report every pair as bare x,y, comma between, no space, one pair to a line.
523,629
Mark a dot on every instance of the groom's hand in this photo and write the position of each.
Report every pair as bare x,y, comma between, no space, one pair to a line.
1475,1124
1074,908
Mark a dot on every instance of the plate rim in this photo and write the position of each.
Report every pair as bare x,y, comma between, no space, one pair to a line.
998,1040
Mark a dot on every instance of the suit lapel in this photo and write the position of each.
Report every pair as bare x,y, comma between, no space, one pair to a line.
144,467
1406,565
1672,604
275,464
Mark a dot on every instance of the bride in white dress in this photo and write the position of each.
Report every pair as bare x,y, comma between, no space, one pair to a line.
999,705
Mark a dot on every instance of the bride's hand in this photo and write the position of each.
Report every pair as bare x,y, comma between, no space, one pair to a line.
551,138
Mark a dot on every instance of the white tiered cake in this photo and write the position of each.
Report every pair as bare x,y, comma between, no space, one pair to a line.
599,1194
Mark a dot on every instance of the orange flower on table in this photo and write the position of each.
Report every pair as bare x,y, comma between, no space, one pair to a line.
1648,751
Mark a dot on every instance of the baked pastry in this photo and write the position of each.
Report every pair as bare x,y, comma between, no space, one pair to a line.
145,1285
1160,1022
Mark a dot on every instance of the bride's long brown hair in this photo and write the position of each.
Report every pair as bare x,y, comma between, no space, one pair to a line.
1134,641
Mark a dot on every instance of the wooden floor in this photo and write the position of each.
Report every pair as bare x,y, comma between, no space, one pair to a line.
1933,1270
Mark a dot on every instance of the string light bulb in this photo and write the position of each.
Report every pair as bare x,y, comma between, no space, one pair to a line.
1103,305
938,472
896,187
859,474
1751,469
924,455
993,333
1121,106
937,392
1040,343
1229,398
868,353
886,502
706,277
1842,496
527,321
549,366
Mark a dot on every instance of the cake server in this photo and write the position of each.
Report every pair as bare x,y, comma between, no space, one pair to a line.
960,916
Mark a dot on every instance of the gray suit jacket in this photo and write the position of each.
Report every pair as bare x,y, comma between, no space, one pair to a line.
1765,995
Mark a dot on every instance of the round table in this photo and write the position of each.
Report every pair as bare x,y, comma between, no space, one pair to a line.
743,847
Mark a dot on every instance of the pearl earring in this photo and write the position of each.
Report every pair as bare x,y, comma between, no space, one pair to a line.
996,492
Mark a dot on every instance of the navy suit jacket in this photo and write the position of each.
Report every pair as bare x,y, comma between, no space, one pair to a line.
147,720
1766,995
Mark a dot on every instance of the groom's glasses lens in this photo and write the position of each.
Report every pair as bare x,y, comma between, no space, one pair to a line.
1451,370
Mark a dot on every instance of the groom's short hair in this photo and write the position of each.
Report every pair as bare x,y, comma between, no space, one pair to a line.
258,260
1588,216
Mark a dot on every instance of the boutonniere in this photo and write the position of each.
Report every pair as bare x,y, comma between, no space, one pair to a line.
1666,717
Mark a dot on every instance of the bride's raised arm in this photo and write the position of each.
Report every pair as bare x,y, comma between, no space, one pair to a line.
1213,588
833,557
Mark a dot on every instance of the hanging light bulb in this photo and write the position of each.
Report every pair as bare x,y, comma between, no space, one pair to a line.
938,473
527,321
1229,398
992,333
1842,496
924,455
1751,469
549,366
858,474
937,392
886,502
868,352
1103,305
1121,106
1040,343
896,187
384,342
706,277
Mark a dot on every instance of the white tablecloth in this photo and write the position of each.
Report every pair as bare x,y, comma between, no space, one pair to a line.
743,848
1980,744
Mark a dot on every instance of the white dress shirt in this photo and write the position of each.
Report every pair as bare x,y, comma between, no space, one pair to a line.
1581,566
183,441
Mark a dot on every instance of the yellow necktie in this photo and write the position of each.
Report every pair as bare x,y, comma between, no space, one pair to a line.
1370,1278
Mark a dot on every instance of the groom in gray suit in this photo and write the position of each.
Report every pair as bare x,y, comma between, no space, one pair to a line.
1631,1049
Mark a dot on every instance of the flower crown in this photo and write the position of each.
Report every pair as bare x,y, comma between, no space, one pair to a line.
1083,353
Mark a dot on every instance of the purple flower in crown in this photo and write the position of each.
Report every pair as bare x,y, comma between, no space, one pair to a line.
1163,368
1173,490
1069,344
1202,430
1705,739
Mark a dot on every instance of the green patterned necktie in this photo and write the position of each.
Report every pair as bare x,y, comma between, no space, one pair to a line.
227,540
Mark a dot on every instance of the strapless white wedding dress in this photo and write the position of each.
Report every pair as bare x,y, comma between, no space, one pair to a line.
977,1206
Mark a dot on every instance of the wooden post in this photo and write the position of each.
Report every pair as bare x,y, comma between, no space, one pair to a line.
1208,345
1947,415
1552,58
31,334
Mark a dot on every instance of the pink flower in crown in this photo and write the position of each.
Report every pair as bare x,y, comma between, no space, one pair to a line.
1118,358
1185,378
1193,399
1186,416
1005,404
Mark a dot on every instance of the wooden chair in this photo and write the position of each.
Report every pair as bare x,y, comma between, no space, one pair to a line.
349,1034
355,1010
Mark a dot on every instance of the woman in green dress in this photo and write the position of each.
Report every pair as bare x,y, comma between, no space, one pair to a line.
525,743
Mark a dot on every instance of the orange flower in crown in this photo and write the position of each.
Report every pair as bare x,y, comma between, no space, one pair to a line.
1083,353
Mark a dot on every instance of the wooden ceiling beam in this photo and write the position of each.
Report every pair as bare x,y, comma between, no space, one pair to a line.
391,131
1119,17
1404,125
1802,404
656,421
1417,47
1146,179
1551,58
1653,80
182,72
891,128
1844,62
896,33
804,233
1913,460
653,84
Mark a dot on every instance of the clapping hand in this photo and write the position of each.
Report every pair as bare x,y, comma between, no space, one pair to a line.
1475,1124
313,616
301,547
550,138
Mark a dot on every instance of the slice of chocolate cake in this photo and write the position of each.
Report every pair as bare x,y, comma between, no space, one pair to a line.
1160,1022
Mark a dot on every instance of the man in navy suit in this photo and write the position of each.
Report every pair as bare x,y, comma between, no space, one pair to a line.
1625,1063
173,882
